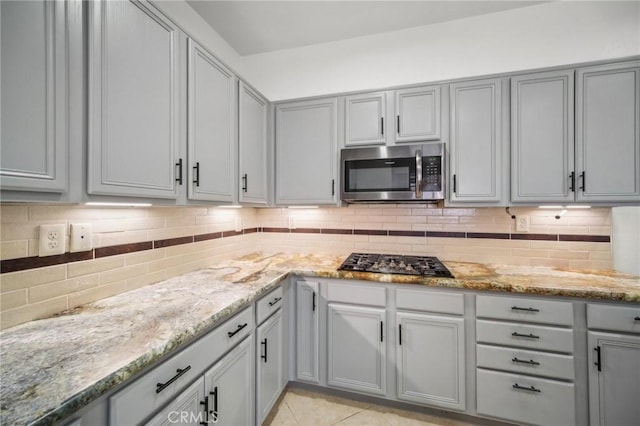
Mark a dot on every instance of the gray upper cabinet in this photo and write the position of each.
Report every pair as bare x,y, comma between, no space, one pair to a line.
418,114
33,89
306,153
608,133
542,144
476,145
365,119
252,138
212,123
133,100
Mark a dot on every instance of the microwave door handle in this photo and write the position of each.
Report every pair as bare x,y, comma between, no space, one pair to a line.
419,174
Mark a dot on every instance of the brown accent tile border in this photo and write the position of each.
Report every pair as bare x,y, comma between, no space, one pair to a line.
407,233
536,237
205,237
337,231
586,238
305,230
494,236
172,242
21,264
122,249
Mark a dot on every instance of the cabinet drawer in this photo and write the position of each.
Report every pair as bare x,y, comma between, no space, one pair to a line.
541,402
525,309
525,336
141,398
268,305
625,319
526,362
358,294
430,301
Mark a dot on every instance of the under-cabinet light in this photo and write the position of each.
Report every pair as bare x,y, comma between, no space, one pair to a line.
564,207
104,204
233,206
302,207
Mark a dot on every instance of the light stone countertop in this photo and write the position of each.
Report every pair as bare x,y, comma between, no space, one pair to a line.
52,367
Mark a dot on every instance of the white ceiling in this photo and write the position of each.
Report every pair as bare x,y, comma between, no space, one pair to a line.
262,26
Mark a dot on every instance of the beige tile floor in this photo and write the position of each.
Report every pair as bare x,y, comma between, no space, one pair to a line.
301,407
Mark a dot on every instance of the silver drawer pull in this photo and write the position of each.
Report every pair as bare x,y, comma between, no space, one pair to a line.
530,388
162,386
276,300
517,308
233,333
524,361
530,335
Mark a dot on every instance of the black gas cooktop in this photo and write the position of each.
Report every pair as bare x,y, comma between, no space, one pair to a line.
395,264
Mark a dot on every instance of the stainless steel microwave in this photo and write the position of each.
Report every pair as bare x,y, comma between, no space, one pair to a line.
404,173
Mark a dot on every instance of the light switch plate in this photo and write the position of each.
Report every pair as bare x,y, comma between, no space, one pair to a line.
80,239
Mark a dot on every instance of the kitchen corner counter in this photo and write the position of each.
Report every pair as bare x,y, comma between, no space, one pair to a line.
52,367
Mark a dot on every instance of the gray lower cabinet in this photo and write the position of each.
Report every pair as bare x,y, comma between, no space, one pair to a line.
542,143
418,114
356,348
608,132
252,145
269,364
186,409
34,111
211,172
307,332
133,100
229,387
306,152
477,148
614,364
430,360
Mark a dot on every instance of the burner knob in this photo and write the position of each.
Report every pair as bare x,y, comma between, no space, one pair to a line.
392,264
402,265
409,267
375,265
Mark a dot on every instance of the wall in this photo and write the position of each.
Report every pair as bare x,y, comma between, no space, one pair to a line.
549,34
140,246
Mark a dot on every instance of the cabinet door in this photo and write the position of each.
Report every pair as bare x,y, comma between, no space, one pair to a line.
431,360
211,135
306,156
542,137
364,121
252,138
269,364
476,141
608,133
133,100
418,114
188,408
614,379
307,331
34,107
230,387
356,348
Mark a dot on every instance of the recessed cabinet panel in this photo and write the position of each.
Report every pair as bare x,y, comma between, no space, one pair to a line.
608,133
542,137
187,406
252,146
418,114
211,128
476,141
270,363
34,108
614,379
307,334
356,348
133,100
365,116
306,153
431,360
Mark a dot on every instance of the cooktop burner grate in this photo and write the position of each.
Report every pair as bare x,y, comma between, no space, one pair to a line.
395,264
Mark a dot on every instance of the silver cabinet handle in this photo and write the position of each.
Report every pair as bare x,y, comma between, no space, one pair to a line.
419,174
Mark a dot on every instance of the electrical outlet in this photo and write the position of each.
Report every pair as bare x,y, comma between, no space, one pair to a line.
52,239
522,223
80,239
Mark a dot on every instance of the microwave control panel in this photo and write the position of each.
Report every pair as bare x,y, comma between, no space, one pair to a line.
432,173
